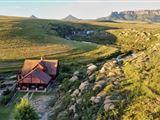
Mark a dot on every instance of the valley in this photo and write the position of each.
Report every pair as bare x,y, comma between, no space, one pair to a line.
108,70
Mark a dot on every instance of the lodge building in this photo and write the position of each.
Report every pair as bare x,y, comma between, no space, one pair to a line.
36,75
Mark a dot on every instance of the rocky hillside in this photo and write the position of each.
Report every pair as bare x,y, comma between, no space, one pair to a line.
108,70
140,15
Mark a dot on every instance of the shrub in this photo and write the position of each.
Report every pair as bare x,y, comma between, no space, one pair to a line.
24,111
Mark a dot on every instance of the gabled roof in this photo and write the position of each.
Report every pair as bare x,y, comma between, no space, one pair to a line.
49,65
41,75
38,76
38,71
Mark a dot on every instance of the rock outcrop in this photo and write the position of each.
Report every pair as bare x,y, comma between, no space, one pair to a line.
139,15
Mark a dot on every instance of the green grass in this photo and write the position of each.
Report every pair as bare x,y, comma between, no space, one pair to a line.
27,38
7,113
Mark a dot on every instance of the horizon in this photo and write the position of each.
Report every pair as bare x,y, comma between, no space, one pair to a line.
90,9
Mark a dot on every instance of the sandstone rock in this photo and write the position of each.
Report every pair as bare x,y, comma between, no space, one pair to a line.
111,74
73,99
76,73
75,93
92,98
96,87
78,101
96,99
70,91
101,77
107,97
114,62
102,94
102,70
74,78
91,77
109,106
107,101
102,82
79,94
91,68
84,85
99,84
72,108
115,83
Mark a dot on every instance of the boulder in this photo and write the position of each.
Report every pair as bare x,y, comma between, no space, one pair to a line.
84,85
107,101
109,106
96,87
75,93
111,74
78,101
99,84
102,94
76,73
92,98
72,108
102,70
91,77
96,99
73,99
74,78
91,68
115,83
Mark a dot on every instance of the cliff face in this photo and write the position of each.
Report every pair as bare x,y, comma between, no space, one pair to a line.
141,15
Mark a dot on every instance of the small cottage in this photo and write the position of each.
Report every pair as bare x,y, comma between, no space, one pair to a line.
36,75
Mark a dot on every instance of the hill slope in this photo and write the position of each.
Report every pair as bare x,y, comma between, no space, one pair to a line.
110,73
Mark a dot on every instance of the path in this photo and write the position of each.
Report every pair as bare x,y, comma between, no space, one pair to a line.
41,104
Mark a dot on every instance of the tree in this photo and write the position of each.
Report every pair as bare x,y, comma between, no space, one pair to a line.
24,111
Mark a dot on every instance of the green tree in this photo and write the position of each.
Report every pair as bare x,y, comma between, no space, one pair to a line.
24,111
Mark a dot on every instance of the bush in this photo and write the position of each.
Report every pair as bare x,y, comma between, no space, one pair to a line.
24,111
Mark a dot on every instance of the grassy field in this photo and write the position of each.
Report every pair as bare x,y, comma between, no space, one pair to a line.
27,38
22,38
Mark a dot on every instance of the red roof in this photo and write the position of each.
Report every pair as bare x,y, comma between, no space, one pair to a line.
38,71
49,65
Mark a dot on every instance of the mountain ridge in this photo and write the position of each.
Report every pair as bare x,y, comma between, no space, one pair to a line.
135,15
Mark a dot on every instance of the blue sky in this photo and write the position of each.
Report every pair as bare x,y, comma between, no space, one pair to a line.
56,9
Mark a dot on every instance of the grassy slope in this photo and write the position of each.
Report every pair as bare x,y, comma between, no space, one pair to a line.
140,86
141,74
27,38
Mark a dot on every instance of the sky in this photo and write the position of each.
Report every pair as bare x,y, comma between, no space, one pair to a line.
83,9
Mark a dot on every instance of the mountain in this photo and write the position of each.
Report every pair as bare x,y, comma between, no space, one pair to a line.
71,18
33,17
140,15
